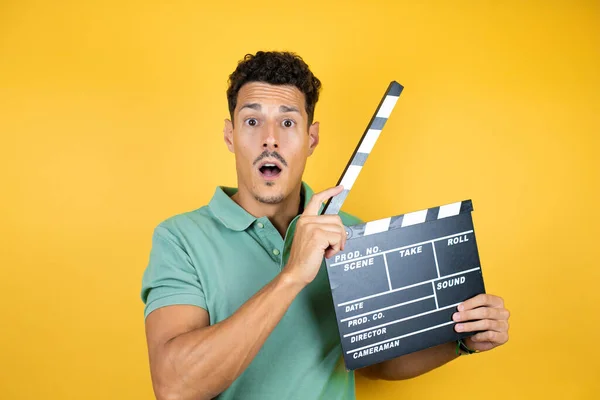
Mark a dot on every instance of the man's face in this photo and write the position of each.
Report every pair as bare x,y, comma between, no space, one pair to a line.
270,139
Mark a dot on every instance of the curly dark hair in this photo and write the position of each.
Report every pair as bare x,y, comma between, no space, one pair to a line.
276,68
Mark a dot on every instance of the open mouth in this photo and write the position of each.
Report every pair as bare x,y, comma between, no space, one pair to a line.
270,170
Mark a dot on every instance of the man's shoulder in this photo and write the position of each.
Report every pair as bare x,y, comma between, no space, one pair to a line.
188,221
349,219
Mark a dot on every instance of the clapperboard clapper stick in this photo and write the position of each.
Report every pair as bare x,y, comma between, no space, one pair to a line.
399,279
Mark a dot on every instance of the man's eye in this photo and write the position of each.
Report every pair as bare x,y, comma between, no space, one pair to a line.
288,123
252,121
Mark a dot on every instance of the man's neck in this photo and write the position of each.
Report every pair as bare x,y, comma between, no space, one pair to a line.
280,214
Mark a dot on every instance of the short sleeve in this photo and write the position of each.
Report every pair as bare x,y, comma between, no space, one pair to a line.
170,277
349,219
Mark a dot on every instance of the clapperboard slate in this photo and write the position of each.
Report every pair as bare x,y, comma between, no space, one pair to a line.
399,279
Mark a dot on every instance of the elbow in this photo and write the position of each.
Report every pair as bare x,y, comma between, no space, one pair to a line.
166,392
169,393
176,389
385,371
174,379
369,372
166,387
399,374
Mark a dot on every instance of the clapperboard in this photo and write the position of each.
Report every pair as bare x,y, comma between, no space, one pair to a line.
399,279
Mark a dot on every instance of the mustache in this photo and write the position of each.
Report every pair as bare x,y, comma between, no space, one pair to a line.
273,154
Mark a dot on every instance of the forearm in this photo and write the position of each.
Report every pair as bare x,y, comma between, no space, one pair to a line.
412,365
202,363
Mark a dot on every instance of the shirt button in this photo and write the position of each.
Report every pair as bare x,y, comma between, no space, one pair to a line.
276,252
260,225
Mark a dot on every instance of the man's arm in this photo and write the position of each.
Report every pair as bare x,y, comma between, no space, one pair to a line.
411,365
484,313
190,359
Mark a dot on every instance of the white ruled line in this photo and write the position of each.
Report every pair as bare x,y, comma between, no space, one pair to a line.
435,295
401,320
387,271
388,308
437,267
401,337
403,247
407,287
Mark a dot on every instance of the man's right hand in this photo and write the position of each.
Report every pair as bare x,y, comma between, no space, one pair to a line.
316,236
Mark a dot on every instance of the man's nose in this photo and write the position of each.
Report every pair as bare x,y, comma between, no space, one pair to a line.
271,140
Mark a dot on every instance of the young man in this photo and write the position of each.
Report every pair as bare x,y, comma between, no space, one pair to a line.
237,298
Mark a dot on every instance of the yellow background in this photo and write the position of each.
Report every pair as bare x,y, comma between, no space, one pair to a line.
111,118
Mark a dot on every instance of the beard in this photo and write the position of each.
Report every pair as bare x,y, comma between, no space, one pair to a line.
269,199
273,199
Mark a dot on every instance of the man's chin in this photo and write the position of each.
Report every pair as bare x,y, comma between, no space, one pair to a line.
269,194
270,199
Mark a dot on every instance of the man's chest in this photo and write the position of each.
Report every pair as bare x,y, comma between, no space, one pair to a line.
233,271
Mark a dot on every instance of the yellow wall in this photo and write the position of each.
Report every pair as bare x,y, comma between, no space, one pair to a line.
111,119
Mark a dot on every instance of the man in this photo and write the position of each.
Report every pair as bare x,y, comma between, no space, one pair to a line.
237,298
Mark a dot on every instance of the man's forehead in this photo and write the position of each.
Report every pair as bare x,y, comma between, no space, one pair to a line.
266,94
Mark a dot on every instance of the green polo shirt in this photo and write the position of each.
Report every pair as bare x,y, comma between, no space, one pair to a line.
217,257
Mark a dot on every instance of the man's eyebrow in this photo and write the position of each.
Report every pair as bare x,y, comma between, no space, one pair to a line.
253,106
285,109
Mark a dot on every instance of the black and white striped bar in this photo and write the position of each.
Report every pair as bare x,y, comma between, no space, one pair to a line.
417,217
399,280
365,145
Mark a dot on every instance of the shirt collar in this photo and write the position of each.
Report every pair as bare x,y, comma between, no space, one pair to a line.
235,217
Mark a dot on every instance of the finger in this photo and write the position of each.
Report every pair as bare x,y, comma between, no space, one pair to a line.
491,336
331,223
340,230
318,198
332,243
330,252
482,325
480,300
481,313
337,221
329,228
327,219
480,346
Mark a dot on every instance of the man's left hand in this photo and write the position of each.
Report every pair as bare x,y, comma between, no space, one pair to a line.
485,313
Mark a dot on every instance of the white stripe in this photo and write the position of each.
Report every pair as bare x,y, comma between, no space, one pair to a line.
405,247
401,337
406,287
350,176
369,141
384,309
403,319
387,271
381,225
388,105
449,210
413,218
437,266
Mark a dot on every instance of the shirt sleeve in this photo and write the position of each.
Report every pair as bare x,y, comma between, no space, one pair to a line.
170,277
349,219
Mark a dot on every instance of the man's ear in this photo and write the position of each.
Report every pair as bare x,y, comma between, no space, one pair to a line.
313,137
228,134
